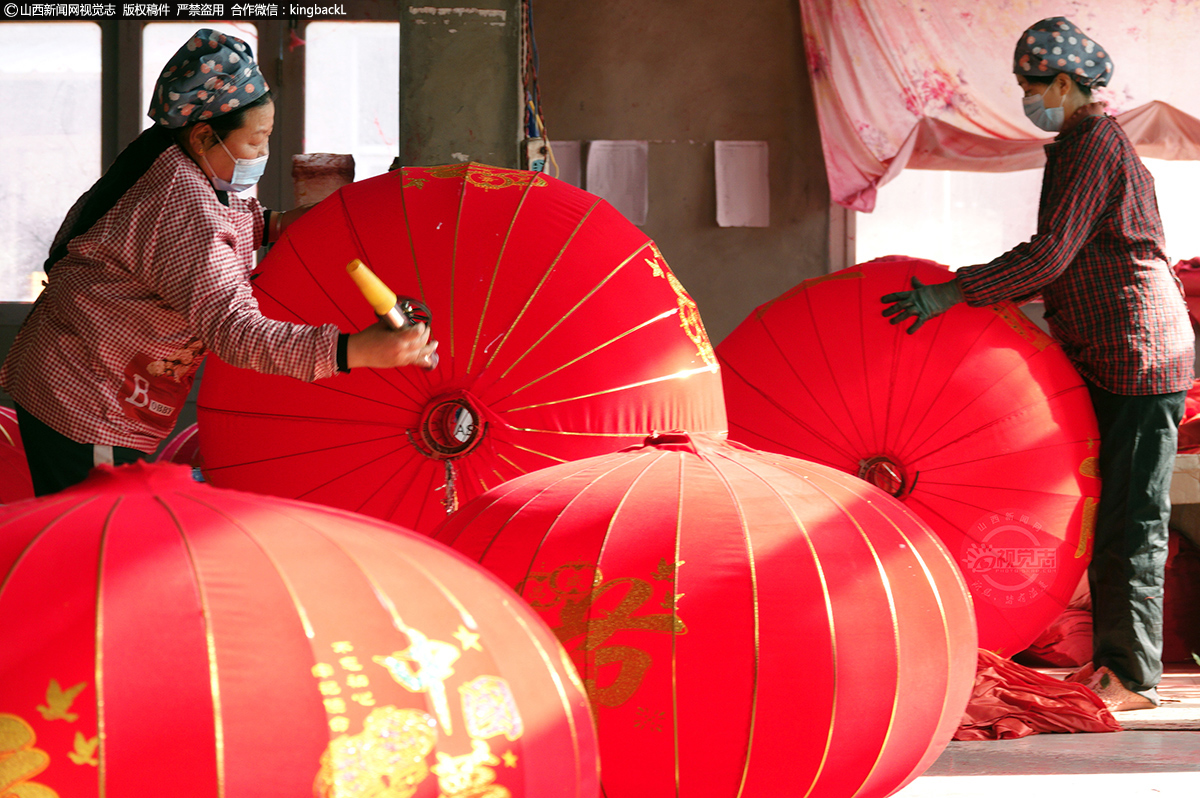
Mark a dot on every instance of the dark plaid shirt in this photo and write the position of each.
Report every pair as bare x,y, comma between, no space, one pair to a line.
1098,261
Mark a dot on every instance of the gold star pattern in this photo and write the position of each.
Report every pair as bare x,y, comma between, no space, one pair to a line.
510,759
467,639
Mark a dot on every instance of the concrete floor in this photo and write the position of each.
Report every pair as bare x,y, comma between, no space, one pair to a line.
1139,761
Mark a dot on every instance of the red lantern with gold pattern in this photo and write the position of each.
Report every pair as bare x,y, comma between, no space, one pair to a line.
562,334
745,623
162,637
978,422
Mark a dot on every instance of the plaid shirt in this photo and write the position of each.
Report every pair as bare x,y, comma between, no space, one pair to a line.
108,353
1098,260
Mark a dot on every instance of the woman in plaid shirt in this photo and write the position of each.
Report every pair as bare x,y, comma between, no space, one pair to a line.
1115,305
150,270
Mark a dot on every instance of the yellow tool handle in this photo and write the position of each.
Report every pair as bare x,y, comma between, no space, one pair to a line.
378,295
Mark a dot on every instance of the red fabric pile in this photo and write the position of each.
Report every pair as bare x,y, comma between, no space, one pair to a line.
1011,701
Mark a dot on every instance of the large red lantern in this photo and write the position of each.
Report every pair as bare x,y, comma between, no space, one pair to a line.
165,637
563,334
745,623
15,482
978,422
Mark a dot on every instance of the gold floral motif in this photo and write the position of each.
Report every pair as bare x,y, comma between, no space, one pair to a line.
58,702
1022,325
483,176
1090,467
20,761
689,312
490,708
469,775
386,760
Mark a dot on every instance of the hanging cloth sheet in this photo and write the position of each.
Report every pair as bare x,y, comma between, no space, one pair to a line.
928,84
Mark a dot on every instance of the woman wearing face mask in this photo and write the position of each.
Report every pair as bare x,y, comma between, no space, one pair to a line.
1116,306
150,270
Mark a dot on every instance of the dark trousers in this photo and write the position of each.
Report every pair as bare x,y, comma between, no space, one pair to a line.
1138,436
57,462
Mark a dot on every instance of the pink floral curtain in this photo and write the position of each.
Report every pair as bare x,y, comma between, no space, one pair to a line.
928,84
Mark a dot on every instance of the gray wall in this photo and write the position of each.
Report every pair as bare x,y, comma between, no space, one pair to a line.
683,74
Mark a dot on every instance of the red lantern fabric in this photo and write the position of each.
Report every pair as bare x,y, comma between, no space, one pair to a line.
159,632
183,448
563,334
978,422
745,623
15,482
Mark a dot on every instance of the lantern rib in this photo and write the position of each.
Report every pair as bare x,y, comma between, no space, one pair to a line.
891,600
424,506
1020,411
595,349
462,201
308,270
865,364
844,451
837,384
749,547
545,276
536,452
820,570
408,374
71,504
617,389
632,434
603,282
210,647
556,677
306,452
323,387
487,300
950,566
101,729
907,445
674,626
412,244
1049,447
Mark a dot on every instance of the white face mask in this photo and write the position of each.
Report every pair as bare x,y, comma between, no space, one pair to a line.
246,171
1048,119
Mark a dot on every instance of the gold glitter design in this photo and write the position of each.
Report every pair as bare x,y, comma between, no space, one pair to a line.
689,313
20,761
1013,317
480,176
1087,528
1090,467
424,667
387,760
490,708
470,775
585,628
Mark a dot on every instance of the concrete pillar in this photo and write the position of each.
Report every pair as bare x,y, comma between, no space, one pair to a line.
460,83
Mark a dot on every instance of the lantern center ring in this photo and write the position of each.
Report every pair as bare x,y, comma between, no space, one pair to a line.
886,474
450,427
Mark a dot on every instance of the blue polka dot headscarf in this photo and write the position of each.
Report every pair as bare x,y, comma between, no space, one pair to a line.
212,74
1058,45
